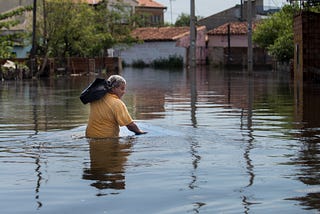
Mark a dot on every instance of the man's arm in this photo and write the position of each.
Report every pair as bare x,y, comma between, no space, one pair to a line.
134,128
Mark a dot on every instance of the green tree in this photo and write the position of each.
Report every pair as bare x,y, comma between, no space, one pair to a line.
276,34
65,29
113,25
184,20
74,28
9,38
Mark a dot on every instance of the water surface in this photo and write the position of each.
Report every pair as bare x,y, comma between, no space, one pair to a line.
217,142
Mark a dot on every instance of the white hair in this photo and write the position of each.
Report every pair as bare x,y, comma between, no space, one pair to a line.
115,81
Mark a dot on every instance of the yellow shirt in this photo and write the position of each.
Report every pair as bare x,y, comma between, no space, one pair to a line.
106,115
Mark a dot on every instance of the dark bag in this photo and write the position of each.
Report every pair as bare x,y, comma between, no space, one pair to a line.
96,90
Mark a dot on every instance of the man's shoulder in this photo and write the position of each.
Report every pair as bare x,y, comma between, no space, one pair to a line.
113,99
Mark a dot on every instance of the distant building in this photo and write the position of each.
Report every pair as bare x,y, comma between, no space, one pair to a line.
237,13
150,11
227,35
228,44
160,43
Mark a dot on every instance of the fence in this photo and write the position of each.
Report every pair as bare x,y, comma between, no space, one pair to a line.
74,65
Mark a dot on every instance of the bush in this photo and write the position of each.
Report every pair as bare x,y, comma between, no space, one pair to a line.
173,61
139,64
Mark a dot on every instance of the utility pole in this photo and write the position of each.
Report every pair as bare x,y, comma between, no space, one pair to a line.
249,20
33,49
192,54
192,63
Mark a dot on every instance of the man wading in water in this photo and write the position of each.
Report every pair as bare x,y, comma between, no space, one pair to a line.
109,112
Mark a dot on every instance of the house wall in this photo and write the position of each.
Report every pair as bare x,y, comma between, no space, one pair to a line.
153,16
222,41
21,52
216,56
149,51
218,51
201,49
6,5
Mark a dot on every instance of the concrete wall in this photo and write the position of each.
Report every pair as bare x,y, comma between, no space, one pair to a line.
307,45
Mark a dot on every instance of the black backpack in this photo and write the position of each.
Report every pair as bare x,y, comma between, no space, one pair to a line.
95,91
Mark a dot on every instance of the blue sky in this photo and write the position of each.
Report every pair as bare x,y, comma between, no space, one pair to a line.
204,7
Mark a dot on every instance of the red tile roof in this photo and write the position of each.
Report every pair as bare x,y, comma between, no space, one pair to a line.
236,28
142,3
162,33
150,3
93,1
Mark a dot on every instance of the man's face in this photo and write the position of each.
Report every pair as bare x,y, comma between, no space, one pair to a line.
119,91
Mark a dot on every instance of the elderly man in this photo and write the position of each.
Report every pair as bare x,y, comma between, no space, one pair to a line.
109,112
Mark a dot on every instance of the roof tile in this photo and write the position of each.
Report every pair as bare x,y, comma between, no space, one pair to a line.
236,28
150,3
162,33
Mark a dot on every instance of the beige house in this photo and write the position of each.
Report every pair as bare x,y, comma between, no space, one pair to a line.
150,11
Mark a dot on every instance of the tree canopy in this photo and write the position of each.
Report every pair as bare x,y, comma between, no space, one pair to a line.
184,20
276,34
74,28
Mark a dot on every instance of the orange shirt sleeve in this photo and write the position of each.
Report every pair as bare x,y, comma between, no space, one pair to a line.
121,114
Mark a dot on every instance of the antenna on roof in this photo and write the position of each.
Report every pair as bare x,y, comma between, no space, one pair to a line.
171,9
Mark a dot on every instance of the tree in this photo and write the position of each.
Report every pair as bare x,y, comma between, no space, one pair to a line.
113,24
74,28
9,38
65,29
276,34
184,20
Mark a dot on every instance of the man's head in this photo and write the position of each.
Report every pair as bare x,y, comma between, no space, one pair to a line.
116,85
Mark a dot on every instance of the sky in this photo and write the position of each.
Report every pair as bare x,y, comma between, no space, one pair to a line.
204,8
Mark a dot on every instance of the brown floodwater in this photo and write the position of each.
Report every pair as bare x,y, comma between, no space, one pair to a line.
218,142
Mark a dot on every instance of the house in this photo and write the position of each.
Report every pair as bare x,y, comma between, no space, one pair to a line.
233,14
151,12
237,13
162,42
227,45
231,48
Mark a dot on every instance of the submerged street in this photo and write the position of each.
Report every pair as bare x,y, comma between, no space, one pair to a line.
221,142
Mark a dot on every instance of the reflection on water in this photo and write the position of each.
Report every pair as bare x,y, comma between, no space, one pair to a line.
107,161
218,142
307,105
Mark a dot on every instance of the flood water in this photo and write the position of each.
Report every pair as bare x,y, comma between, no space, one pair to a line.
218,142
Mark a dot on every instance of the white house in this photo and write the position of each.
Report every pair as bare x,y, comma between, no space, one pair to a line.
160,43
